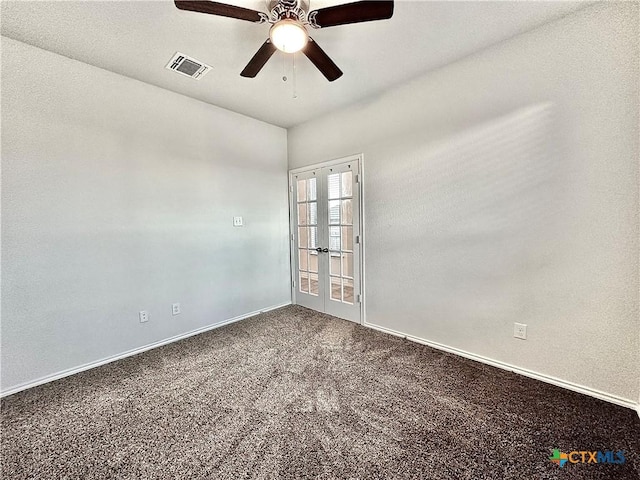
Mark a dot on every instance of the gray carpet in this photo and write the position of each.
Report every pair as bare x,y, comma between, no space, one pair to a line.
297,394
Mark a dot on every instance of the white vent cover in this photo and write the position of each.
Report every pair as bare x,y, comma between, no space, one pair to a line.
188,66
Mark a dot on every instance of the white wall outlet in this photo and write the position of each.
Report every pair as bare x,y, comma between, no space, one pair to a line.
175,309
520,330
237,221
144,316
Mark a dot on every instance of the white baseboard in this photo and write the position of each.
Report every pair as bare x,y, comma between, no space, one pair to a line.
512,368
135,351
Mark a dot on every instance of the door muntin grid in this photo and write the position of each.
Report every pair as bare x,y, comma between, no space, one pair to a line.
307,229
340,226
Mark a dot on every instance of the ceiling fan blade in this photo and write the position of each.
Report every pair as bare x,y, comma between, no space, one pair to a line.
221,9
259,59
355,12
321,60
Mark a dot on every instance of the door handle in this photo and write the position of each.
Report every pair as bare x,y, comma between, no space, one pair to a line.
322,250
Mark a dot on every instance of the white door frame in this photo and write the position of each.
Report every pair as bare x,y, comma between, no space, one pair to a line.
359,159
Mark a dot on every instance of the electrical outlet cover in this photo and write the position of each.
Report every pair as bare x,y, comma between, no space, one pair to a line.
175,309
520,330
144,316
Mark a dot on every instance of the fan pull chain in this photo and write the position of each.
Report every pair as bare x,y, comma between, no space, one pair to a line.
284,67
295,85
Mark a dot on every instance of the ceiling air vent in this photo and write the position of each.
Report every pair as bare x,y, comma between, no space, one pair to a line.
188,66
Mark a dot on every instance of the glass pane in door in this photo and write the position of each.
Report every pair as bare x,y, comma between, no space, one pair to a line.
347,239
313,238
302,214
347,184
333,184
340,219
347,265
334,266
302,256
304,282
307,219
313,213
313,261
336,289
334,242
347,291
334,212
312,189
303,237
313,283
302,190
347,213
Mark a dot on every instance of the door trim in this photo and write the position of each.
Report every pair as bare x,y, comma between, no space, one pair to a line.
359,158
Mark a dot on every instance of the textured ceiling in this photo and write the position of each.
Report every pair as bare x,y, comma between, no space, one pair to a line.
137,39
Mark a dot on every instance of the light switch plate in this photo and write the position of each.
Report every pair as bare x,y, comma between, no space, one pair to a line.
237,222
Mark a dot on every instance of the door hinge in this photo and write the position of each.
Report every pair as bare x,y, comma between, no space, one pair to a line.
291,188
358,298
357,239
292,237
357,178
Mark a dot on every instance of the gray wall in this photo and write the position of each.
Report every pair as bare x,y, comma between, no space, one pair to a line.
504,188
118,196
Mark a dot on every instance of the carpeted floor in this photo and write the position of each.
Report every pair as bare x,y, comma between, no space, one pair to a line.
296,394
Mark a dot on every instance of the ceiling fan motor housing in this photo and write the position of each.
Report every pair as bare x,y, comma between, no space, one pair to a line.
296,9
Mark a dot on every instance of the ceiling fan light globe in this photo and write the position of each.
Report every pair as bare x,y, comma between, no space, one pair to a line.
288,36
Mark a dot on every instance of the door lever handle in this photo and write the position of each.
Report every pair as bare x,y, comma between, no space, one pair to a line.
322,250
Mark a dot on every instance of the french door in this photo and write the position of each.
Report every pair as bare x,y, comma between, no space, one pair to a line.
326,238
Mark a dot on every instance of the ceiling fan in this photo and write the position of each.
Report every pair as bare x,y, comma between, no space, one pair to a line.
289,21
